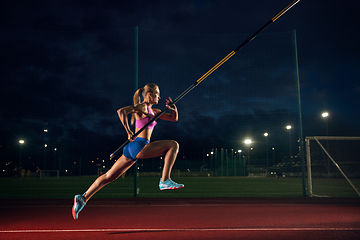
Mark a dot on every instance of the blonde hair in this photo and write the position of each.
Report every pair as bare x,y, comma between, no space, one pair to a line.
150,87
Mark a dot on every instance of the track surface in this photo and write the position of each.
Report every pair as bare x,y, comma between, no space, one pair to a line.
216,218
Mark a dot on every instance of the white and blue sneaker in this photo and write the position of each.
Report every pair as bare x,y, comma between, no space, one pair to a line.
169,184
79,204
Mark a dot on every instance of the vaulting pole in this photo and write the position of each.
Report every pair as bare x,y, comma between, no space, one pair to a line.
209,72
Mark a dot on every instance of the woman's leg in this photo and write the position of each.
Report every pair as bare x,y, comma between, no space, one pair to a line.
169,148
119,167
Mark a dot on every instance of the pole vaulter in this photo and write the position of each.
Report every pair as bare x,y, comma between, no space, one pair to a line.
208,73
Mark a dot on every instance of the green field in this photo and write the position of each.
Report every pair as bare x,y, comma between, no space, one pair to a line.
195,187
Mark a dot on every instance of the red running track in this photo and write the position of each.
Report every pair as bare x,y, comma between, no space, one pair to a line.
215,218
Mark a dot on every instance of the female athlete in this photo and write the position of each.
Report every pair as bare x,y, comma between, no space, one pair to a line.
140,146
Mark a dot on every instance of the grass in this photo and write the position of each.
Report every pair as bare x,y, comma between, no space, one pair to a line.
195,187
335,187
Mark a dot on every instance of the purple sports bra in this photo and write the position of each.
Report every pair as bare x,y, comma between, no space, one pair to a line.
139,123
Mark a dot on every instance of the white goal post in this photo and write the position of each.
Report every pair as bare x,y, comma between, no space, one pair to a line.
328,152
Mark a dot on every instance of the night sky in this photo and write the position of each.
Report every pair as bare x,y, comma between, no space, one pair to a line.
81,114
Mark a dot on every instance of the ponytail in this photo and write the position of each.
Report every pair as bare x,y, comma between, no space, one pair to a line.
150,87
137,100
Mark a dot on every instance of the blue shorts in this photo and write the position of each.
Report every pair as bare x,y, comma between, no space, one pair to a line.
133,148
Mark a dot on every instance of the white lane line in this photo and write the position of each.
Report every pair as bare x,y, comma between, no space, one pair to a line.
180,229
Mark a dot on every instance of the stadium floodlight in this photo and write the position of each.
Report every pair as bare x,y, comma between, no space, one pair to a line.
21,141
288,127
325,114
247,141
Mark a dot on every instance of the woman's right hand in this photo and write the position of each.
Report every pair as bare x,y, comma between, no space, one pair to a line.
131,136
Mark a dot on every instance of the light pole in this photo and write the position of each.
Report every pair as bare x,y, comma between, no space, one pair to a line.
233,156
21,143
248,142
267,150
45,146
239,151
212,160
288,127
326,115
55,149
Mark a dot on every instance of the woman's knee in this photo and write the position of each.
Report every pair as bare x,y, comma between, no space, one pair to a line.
174,145
108,177
102,180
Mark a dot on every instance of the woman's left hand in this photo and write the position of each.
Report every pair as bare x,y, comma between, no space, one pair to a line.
169,106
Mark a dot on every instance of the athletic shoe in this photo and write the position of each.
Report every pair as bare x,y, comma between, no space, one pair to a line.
79,204
169,184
